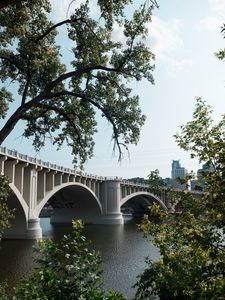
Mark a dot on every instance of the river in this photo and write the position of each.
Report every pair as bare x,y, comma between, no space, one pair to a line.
122,249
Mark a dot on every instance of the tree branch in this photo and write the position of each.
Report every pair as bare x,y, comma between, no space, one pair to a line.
104,111
77,73
61,112
67,21
26,85
10,60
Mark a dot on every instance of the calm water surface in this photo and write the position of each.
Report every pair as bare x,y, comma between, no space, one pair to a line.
122,249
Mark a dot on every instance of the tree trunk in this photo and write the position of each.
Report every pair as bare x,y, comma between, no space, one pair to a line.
7,129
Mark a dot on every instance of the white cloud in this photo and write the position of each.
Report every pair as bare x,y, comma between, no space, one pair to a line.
218,7
174,65
210,23
165,40
164,36
117,33
214,21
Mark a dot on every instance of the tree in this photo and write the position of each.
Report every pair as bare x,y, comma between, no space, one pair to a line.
59,101
66,270
155,182
191,245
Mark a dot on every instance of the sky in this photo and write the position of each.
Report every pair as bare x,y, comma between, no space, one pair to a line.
184,35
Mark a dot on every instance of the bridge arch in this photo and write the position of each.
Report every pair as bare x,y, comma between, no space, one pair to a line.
62,187
142,193
20,199
18,224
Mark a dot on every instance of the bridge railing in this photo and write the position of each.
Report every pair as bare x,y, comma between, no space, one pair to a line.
33,160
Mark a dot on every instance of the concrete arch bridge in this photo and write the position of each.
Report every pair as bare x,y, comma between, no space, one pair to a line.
71,195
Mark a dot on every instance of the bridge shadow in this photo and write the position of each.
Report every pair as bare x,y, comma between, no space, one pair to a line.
138,206
18,224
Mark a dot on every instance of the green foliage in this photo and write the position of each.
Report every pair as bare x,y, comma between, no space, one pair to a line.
191,243
5,213
66,270
60,102
221,53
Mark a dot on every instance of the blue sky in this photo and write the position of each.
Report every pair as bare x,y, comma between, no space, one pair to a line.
184,35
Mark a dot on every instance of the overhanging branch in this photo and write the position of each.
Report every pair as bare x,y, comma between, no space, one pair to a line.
67,21
103,110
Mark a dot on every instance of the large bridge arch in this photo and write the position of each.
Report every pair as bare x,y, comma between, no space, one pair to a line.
144,194
92,209
18,228
20,199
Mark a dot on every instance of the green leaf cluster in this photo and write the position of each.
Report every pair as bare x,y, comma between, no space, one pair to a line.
156,183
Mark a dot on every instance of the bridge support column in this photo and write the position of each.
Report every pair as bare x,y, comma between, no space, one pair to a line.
34,230
110,199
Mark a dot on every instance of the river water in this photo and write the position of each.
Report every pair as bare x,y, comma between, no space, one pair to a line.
122,249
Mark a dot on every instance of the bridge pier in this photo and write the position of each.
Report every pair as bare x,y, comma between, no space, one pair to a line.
111,219
110,200
34,230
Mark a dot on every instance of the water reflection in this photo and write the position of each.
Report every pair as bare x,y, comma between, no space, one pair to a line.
122,250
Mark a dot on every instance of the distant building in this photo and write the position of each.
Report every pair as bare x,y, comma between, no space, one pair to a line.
199,183
206,168
138,180
175,165
177,173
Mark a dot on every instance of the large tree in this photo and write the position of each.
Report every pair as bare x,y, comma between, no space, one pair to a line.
60,101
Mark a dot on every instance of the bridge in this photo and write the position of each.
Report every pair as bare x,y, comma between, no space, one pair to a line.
71,194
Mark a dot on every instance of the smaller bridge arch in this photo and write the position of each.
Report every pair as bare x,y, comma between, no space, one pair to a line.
142,193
